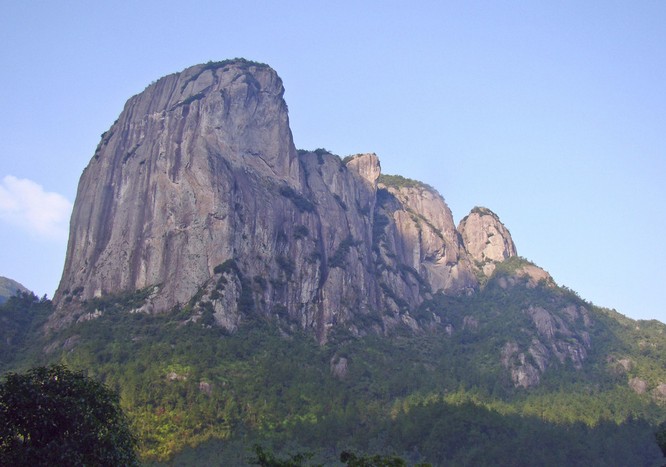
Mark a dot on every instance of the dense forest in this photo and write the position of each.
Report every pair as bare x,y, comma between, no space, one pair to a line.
196,394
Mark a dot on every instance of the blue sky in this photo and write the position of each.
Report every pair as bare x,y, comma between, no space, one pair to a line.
552,114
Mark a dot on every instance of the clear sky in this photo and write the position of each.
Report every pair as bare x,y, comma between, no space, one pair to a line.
552,114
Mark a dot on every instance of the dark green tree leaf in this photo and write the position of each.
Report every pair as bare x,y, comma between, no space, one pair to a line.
53,416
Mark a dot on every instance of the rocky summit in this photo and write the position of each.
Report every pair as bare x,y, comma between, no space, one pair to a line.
197,195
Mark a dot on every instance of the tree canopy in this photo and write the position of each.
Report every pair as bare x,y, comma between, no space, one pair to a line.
54,416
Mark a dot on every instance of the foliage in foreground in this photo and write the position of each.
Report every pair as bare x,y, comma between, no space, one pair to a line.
265,458
53,416
660,436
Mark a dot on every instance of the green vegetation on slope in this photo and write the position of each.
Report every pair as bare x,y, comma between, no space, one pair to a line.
21,319
398,181
8,288
198,393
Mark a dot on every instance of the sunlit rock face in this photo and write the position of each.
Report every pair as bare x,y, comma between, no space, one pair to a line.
486,239
163,199
198,193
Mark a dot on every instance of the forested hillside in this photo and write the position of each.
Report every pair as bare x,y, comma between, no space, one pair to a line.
198,394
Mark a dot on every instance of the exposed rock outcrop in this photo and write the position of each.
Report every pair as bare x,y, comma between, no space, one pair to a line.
163,199
639,386
523,372
560,337
486,239
197,189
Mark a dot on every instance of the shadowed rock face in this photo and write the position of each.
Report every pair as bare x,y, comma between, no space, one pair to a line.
559,337
198,191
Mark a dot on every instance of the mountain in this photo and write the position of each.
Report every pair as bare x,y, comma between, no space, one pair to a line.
198,190
234,289
9,287
197,197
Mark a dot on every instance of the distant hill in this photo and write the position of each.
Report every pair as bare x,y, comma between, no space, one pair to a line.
9,287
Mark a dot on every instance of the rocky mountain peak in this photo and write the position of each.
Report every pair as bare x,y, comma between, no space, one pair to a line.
486,239
235,107
197,197
157,200
366,165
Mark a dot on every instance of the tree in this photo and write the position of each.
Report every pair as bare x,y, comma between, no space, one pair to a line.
54,416
352,460
20,317
267,459
661,437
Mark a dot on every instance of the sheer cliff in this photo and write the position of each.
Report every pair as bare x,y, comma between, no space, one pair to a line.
198,195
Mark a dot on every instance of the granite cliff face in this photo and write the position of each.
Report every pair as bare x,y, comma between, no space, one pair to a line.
198,194
486,239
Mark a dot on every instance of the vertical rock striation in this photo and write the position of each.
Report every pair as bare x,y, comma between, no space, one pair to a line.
163,199
197,191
